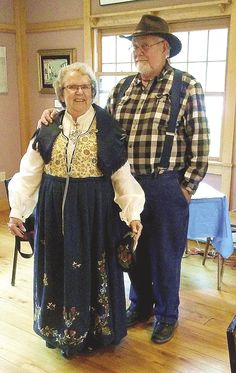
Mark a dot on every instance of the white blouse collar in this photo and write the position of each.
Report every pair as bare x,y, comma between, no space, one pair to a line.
83,120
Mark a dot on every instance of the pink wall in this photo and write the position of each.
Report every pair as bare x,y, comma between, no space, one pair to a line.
9,118
53,10
6,11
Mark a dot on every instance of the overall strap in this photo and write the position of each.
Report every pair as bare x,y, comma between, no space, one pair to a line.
124,88
175,106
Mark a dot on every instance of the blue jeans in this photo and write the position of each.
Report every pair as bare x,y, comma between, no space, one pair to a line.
155,280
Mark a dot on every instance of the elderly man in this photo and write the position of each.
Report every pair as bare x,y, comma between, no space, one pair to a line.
168,162
144,112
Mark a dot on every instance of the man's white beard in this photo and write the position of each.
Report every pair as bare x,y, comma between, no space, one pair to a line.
143,67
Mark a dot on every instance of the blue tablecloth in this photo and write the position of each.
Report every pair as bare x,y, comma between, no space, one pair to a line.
209,217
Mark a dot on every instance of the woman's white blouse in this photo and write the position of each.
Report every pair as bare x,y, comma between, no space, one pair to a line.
24,186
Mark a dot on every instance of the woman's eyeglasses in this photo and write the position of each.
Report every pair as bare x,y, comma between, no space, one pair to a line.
77,87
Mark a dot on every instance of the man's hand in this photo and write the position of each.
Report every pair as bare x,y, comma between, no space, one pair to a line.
47,117
186,194
16,227
136,228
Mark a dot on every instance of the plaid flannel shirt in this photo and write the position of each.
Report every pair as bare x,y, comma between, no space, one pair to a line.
144,114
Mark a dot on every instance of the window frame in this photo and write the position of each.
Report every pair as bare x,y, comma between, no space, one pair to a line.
195,25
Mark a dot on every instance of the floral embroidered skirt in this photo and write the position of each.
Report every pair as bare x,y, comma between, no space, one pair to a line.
79,296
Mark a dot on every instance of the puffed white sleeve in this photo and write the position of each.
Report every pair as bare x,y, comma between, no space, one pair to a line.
128,194
24,185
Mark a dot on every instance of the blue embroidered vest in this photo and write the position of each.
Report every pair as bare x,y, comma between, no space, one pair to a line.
111,151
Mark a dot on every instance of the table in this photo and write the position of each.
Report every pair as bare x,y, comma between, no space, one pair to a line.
209,217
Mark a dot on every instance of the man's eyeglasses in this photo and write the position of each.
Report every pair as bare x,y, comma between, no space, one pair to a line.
77,87
143,47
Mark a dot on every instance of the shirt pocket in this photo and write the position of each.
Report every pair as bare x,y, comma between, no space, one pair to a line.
161,112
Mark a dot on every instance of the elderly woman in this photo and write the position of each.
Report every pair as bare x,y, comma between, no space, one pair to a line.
74,170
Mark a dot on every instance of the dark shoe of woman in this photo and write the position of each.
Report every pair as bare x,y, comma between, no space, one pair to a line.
49,345
133,317
66,354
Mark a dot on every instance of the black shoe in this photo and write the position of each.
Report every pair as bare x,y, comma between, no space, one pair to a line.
133,317
66,354
163,331
49,345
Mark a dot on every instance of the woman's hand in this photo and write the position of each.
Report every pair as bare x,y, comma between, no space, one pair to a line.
16,227
136,228
47,117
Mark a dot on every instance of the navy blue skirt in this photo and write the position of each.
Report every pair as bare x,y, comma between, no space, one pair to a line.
79,298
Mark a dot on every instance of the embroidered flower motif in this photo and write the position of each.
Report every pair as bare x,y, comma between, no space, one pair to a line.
84,160
102,317
47,331
69,338
76,265
45,279
51,306
57,165
70,316
37,311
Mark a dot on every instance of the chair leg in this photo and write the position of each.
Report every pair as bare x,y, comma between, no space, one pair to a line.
13,276
206,250
220,271
186,251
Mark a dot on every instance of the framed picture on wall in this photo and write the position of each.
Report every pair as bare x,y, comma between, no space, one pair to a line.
109,2
50,61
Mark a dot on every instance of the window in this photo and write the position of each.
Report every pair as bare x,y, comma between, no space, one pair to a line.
117,61
203,55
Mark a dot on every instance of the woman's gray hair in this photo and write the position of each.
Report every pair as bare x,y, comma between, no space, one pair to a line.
83,68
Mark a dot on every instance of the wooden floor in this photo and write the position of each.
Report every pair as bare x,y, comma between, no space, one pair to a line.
199,345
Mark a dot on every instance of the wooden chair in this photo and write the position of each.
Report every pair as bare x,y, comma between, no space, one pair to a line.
28,237
220,259
231,338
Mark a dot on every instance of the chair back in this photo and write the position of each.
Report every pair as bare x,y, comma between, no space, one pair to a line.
28,237
29,226
233,226
6,182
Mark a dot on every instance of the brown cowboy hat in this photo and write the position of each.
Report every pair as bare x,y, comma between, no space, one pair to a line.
153,25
